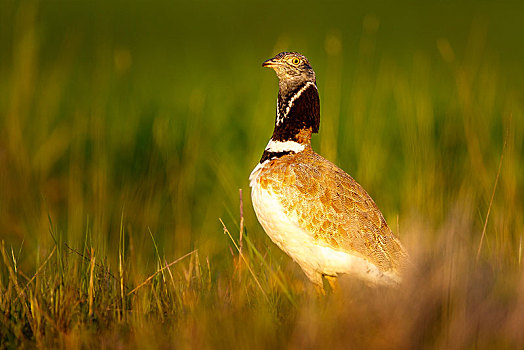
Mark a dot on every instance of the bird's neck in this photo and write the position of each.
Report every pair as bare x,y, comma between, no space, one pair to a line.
297,117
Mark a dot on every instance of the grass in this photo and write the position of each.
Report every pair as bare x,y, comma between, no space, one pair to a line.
127,131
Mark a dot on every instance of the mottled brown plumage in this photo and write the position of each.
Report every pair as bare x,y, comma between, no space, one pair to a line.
332,206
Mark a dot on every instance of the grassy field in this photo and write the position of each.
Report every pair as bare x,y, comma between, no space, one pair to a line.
127,130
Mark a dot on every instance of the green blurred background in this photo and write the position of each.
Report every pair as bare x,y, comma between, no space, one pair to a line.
154,113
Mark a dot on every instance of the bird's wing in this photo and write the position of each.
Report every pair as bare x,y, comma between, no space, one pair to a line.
334,208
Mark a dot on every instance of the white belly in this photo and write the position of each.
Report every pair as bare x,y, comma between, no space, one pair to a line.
284,232
316,260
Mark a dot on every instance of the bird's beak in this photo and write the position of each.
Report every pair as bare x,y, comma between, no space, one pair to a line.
270,63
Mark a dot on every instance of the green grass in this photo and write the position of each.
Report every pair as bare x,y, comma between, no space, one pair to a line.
127,129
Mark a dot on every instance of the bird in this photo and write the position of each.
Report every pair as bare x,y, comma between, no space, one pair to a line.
309,207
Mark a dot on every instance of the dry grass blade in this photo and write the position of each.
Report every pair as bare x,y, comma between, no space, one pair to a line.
121,259
241,241
19,290
275,275
12,272
88,259
491,202
160,270
244,259
91,291
39,269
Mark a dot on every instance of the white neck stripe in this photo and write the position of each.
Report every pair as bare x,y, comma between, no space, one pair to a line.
279,120
286,146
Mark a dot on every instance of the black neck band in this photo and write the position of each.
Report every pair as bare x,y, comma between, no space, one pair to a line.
268,155
298,110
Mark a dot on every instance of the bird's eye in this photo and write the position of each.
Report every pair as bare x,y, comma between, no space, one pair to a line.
295,60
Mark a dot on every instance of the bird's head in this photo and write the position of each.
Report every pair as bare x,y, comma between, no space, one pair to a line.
292,68
298,103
